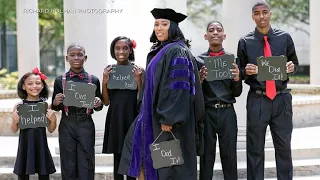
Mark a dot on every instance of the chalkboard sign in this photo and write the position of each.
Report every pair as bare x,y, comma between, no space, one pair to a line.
121,77
166,153
219,67
32,115
272,68
79,94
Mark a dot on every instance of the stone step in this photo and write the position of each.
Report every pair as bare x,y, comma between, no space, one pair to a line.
100,160
101,173
304,169
302,149
296,178
297,154
309,167
107,159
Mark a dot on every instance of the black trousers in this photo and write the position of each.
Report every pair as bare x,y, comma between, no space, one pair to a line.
261,112
220,122
116,163
40,177
76,141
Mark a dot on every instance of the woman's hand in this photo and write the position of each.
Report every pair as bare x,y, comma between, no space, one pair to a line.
97,102
235,72
58,99
166,128
106,74
137,73
15,117
203,73
50,115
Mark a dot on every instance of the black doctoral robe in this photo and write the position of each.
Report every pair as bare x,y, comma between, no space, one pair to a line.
173,96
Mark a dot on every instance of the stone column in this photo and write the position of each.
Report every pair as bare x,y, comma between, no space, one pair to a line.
314,43
237,22
85,22
133,21
27,35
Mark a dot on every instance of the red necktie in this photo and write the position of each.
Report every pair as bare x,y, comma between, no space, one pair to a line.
270,84
220,53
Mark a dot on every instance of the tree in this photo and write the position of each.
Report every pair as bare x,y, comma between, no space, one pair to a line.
290,12
199,10
287,12
6,17
51,29
7,12
51,26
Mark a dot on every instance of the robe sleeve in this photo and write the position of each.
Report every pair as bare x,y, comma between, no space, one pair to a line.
176,91
140,94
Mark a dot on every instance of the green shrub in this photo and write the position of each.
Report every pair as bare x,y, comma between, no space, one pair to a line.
299,79
8,81
3,72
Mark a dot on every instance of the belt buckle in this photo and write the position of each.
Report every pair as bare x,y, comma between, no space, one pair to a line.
218,105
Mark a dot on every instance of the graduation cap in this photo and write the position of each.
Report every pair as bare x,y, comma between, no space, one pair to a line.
168,14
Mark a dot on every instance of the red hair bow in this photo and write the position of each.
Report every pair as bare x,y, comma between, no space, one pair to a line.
38,72
134,44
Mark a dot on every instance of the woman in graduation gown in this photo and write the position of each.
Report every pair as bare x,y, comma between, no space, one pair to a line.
172,100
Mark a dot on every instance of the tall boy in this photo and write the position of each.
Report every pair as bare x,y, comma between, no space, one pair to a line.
268,102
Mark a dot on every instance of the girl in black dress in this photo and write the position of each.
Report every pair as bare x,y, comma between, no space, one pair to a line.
33,153
122,102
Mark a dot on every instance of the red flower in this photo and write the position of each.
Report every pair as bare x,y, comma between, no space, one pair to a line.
134,44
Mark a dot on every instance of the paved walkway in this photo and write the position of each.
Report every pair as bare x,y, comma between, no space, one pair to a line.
302,138
296,178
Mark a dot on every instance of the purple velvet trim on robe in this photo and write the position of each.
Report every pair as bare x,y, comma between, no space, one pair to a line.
191,67
135,163
179,61
143,133
181,85
192,78
192,90
178,73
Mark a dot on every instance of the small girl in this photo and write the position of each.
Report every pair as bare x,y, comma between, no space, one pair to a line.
122,102
33,153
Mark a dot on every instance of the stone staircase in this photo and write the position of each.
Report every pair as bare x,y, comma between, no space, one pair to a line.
305,145
305,152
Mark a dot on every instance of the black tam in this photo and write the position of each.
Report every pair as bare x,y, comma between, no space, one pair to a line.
168,14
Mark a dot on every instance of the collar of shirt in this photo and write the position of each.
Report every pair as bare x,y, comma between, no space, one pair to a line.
260,36
208,52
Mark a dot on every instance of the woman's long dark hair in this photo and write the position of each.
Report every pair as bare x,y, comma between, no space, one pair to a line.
175,34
